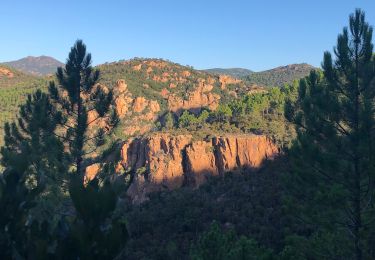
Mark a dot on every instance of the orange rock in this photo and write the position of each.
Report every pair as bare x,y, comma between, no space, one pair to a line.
91,116
200,161
211,81
122,105
238,151
200,97
168,161
157,64
6,72
91,171
149,70
139,104
95,88
154,106
160,154
94,120
225,80
121,86
164,93
164,155
186,73
160,79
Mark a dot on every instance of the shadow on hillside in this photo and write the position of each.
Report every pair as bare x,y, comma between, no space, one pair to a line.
247,200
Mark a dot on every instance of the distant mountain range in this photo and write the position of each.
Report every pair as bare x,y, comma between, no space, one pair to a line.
234,72
38,66
45,65
161,84
276,77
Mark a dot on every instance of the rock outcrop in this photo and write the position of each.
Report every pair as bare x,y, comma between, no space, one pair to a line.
198,98
226,80
91,171
200,162
5,72
160,155
139,113
139,104
237,151
164,161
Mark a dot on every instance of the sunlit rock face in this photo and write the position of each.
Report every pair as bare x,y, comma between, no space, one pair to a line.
168,162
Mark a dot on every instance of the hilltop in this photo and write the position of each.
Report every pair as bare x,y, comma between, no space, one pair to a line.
38,66
280,76
148,89
276,77
233,72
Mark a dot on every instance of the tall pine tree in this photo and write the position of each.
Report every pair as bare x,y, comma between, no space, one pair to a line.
77,95
94,233
332,187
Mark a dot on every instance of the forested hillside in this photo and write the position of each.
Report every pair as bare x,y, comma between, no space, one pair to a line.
280,76
276,77
14,88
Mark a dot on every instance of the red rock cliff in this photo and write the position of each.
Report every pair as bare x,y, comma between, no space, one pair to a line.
165,161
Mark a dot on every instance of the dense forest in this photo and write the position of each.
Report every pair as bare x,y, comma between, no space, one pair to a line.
314,200
13,92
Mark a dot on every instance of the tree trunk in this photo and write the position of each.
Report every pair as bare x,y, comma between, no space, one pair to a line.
357,172
79,137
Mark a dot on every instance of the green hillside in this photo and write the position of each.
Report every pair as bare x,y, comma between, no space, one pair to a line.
14,88
276,77
149,78
280,76
234,72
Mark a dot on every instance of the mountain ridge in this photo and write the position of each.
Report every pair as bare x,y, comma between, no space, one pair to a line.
233,72
35,65
275,77
278,76
281,75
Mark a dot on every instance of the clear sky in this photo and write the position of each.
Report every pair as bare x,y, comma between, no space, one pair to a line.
256,35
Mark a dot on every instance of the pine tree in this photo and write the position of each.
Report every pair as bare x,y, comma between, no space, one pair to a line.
94,233
77,95
169,121
332,184
33,158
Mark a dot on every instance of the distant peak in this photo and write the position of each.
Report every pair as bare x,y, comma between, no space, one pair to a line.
36,65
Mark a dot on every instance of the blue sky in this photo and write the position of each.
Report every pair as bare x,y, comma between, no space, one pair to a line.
257,35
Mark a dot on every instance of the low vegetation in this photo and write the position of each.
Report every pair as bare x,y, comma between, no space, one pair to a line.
259,113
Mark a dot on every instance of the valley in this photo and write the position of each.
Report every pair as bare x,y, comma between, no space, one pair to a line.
145,158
